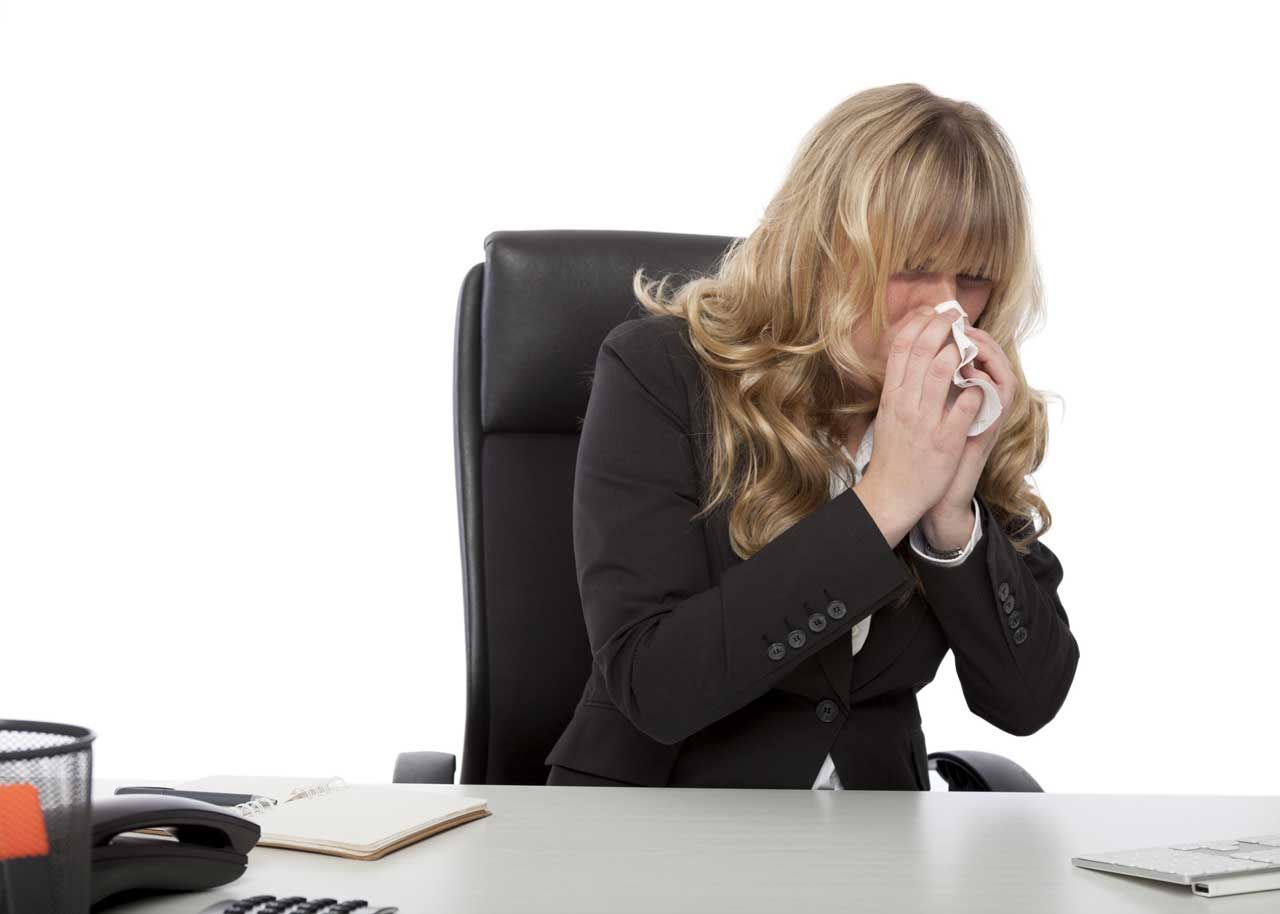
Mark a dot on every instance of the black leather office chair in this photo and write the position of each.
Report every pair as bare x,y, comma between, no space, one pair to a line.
530,321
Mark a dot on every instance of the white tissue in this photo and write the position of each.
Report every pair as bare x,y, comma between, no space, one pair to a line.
990,410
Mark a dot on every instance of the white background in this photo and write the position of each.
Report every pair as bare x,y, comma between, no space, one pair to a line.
232,237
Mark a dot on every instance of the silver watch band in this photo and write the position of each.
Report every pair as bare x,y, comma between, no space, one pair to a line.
948,554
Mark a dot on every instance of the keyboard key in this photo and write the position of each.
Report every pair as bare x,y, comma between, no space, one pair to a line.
1177,863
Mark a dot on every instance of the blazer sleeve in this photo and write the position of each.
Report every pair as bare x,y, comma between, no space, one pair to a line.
1015,654
677,649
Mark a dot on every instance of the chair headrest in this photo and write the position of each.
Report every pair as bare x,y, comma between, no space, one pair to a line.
549,300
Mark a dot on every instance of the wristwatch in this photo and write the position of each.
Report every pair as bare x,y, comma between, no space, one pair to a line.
934,553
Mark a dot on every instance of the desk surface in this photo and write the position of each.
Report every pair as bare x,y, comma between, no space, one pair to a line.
632,849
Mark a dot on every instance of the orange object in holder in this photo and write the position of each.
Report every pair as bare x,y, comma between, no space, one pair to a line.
22,831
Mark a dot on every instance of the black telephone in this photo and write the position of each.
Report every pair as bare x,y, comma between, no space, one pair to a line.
202,845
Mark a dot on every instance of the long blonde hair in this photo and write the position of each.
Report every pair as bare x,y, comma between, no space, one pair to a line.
890,178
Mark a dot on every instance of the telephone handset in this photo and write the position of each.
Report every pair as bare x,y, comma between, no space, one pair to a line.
202,845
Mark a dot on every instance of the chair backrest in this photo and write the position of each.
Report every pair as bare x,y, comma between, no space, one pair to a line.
530,322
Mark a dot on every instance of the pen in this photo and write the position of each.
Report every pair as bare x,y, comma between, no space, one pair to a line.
218,799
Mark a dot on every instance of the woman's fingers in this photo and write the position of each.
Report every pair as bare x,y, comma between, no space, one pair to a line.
934,396
962,413
930,392
994,362
900,348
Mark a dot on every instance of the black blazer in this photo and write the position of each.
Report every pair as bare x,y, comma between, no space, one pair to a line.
712,671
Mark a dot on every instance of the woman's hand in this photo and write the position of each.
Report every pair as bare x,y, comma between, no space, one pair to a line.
919,439
949,523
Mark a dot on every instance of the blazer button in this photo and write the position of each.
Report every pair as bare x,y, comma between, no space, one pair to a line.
796,638
827,710
777,651
817,622
1004,589
1015,619
1007,605
836,609
1019,636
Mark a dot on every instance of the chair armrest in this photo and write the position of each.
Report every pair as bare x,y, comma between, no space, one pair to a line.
969,769
424,768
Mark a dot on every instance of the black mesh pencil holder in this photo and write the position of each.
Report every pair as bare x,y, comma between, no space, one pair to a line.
57,760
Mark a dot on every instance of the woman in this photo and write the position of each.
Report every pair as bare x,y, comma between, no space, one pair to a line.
781,523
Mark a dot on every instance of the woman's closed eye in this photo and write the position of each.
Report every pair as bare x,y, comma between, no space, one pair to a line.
970,277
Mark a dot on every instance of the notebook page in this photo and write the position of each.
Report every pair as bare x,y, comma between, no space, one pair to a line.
362,818
371,816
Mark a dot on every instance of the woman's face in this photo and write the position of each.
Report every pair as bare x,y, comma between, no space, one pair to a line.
910,290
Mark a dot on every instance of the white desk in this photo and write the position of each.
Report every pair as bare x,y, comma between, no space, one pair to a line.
561,850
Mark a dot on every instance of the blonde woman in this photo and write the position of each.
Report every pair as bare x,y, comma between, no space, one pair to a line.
781,523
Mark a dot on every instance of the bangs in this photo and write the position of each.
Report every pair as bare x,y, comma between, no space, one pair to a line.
951,212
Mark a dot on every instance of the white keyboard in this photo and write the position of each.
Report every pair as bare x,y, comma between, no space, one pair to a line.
1226,866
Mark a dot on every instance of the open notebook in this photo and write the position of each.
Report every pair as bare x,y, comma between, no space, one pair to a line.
328,816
